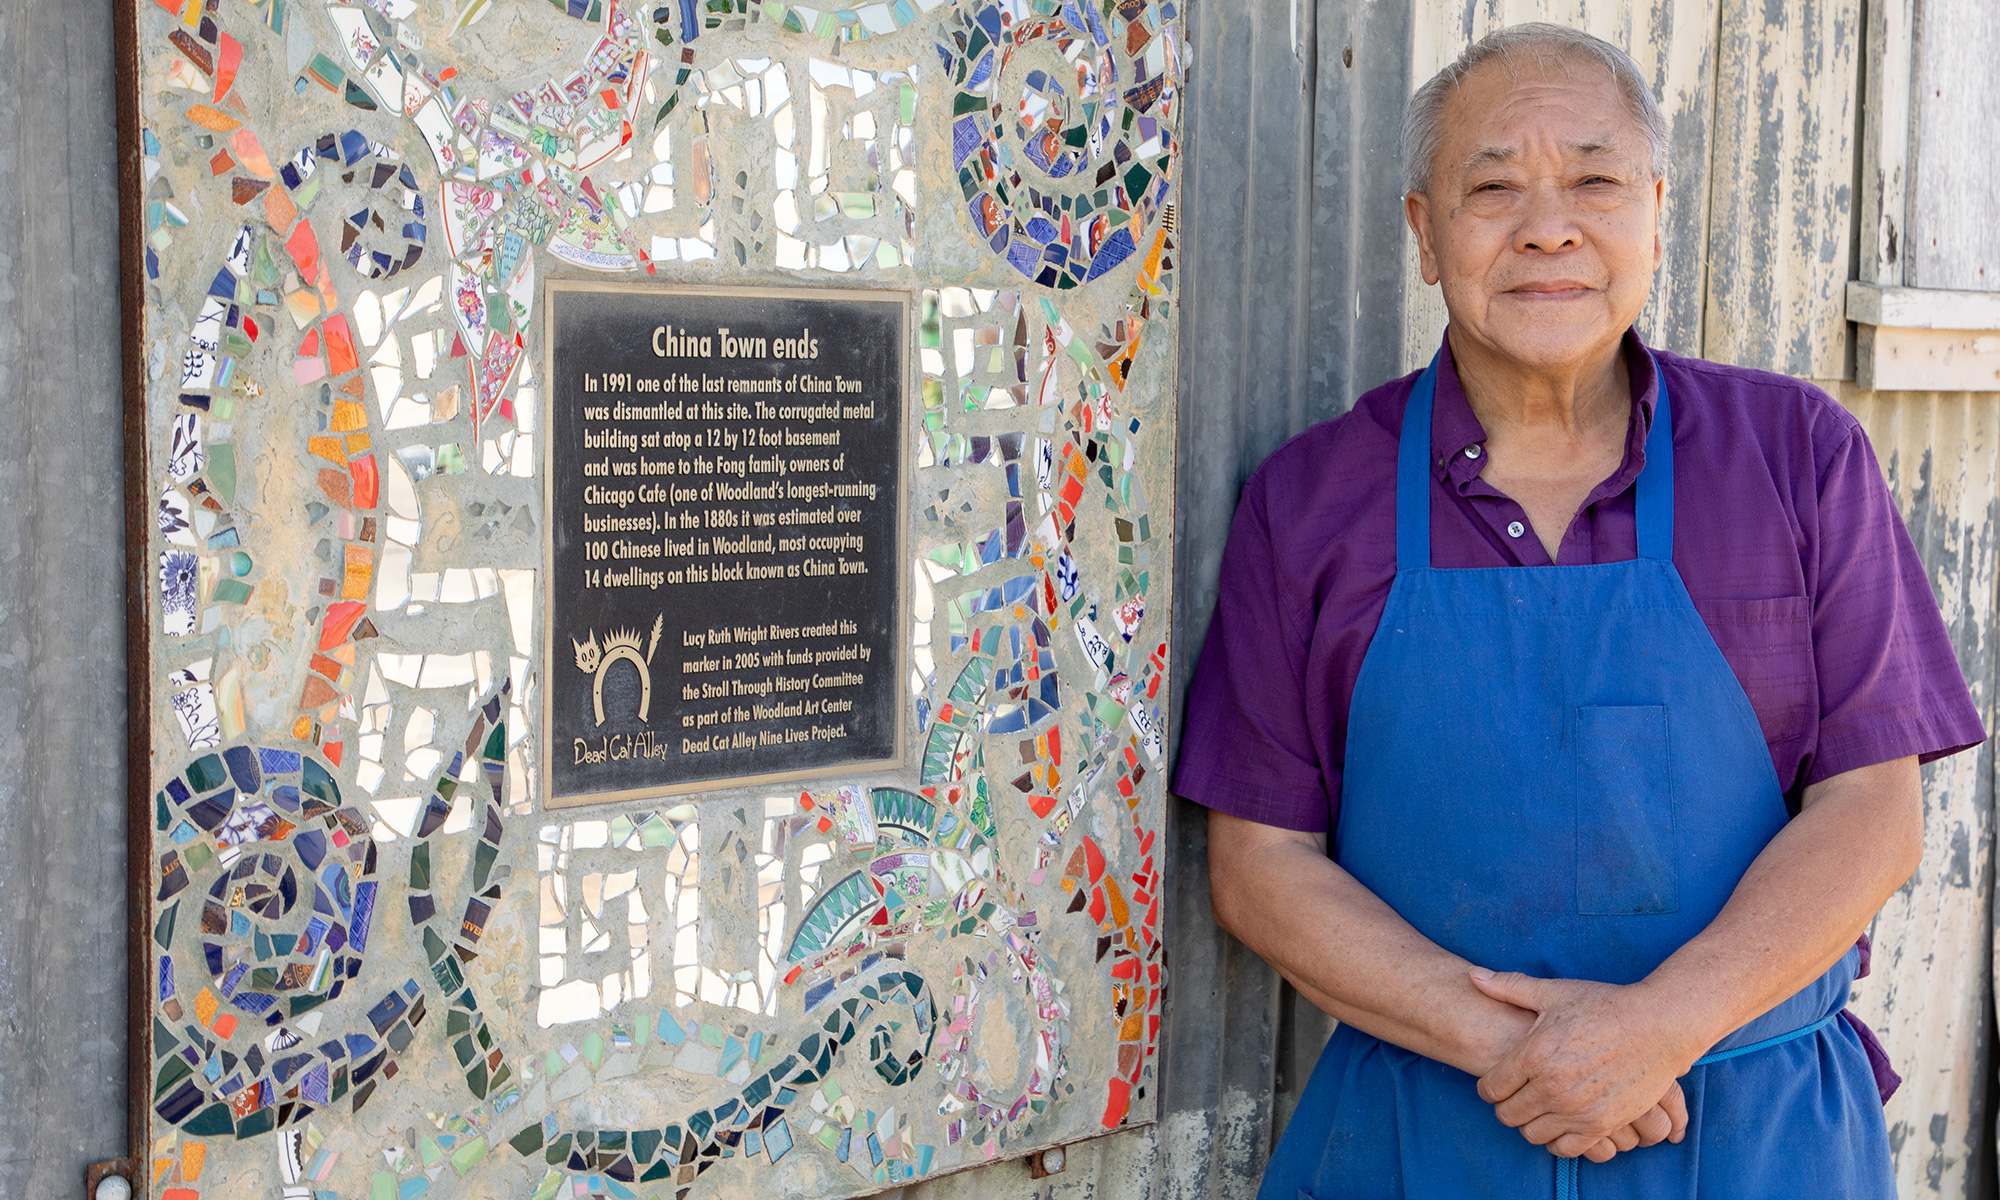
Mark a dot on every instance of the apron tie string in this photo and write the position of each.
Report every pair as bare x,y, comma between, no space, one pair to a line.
1566,1168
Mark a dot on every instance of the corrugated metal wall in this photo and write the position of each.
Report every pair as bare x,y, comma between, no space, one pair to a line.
1301,293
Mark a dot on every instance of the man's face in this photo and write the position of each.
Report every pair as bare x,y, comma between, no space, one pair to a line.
1542,219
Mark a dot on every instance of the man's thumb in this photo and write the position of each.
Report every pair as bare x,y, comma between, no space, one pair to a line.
1510,987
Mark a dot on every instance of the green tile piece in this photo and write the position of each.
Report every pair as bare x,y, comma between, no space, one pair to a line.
469,1155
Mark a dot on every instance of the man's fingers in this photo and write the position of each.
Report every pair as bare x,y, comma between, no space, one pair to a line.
1522,1107
1512,987
1581,1145
1652,1127
1674,1104
1625,1138
1501,1083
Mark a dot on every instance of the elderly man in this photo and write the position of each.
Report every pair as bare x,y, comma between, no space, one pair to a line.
1609,673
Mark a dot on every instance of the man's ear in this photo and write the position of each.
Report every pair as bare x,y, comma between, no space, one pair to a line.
1659,207
1417,211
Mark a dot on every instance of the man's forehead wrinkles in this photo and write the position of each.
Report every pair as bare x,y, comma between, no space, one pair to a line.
1589,148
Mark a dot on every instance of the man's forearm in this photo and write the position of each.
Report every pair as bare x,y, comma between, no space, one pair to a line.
1347,951
1800,906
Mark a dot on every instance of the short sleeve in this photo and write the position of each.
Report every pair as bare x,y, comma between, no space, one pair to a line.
1245,746
1889,680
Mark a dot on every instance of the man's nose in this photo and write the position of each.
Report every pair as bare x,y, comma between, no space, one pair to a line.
1548,222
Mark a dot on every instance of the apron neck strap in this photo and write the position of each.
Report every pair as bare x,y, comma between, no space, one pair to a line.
1653,505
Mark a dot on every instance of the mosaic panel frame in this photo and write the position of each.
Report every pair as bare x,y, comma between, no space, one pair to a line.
871,982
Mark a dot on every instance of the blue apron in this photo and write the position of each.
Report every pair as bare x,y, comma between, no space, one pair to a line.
1553,770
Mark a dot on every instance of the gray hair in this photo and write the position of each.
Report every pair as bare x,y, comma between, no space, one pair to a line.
1423,118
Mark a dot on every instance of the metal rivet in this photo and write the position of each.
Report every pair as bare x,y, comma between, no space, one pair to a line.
113,1187
1516,529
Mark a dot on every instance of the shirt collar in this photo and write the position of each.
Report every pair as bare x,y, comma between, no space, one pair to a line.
1455,430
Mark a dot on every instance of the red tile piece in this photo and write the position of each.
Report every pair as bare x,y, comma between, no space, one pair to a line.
229,56
340,355
303,246
340,619
367,481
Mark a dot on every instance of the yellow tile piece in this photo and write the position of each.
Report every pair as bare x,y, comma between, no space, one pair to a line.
302,728
360,571
205,1006
357,443
193,1155
348,416
328,448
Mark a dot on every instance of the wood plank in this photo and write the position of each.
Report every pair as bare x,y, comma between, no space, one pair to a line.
1922,308
1931,991
1954,241
1927,359
1674,46
1885,140
1787,91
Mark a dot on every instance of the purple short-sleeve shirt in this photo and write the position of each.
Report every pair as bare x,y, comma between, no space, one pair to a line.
1785,535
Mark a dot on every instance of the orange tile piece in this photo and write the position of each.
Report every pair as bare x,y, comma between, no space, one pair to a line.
326,666
348,417
180,1194
302,728
250,152
193,1155
337,486
220,163
340,353
357,443
160,1168
172,6
344,653
225,1025
1132,1028
360,571
279,211
328,448
1120,914
205,1006
317,692
212,118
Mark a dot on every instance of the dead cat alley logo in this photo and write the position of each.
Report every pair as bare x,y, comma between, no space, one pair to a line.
596,660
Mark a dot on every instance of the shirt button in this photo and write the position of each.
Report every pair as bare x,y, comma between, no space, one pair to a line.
1516,529
1472,451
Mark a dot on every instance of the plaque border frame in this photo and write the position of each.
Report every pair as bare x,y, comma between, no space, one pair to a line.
545,739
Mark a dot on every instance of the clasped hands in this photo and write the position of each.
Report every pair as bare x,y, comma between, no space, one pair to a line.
1596,1074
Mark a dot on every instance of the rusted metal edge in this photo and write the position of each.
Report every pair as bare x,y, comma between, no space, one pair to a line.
138,629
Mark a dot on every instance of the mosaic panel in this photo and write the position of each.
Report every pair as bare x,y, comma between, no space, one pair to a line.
379,967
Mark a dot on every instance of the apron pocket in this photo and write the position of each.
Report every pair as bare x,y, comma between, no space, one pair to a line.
1625,859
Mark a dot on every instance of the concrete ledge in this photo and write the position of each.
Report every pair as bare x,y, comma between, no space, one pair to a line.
1925,339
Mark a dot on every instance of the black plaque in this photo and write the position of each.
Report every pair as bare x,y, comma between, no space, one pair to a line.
724,592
